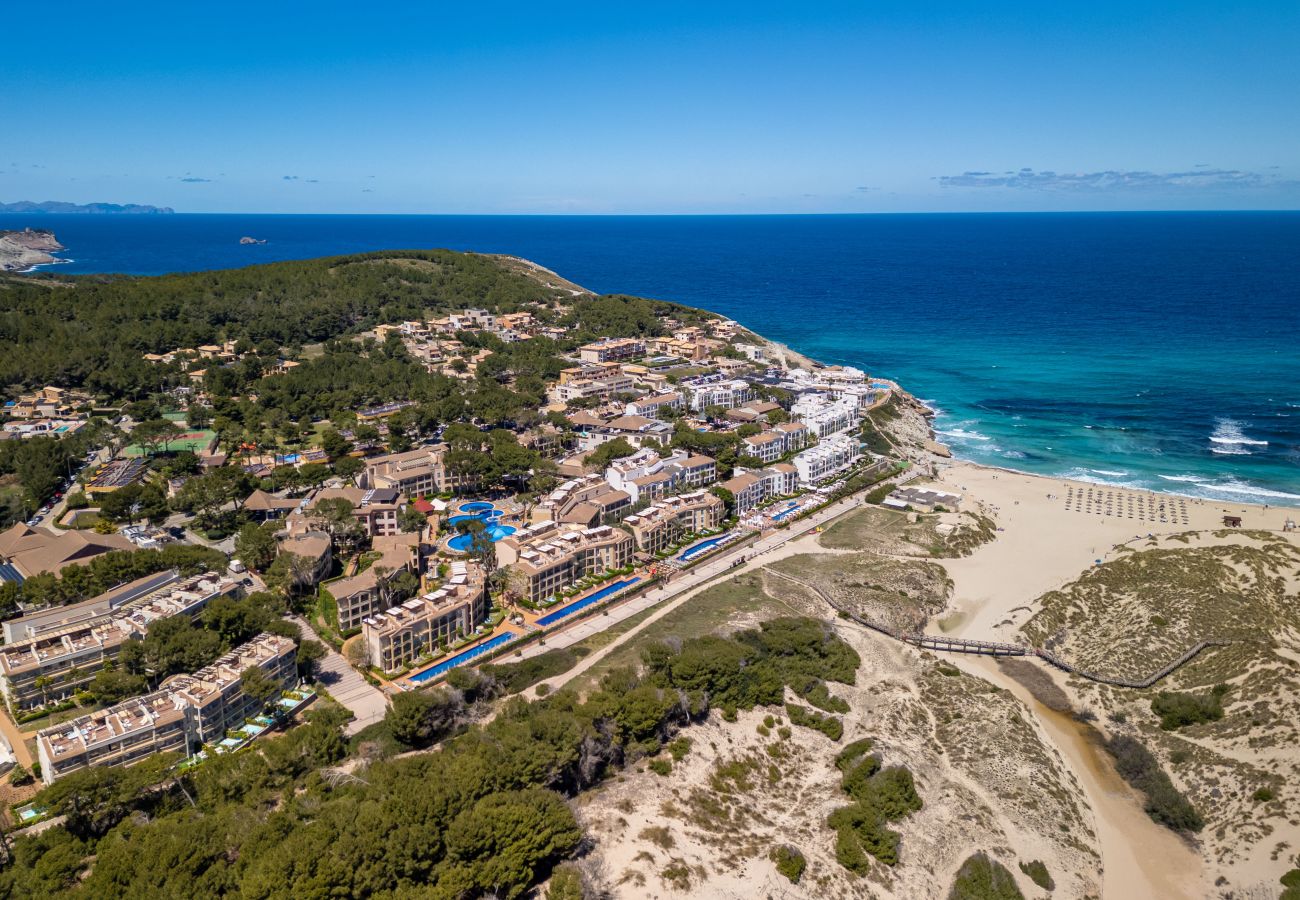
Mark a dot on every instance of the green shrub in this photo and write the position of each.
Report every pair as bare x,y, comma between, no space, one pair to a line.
512,678
849,852
1179,710
850,753
1291,879
679,748
816,693
661,766
566,883
1263,795
867,828
981,878
1038,874
789,862
830,726
1140,768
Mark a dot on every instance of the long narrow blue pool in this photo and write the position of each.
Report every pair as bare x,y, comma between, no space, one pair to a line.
702,547
461,658
577,606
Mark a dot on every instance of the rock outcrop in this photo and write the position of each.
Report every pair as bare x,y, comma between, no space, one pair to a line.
23,249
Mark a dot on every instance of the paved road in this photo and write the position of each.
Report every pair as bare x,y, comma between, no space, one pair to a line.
688,581
346,685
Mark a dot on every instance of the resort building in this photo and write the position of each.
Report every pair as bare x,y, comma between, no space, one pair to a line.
664,524
753,487
647,476
369,592
187,712
58,659
589,500
769,446
922,499
653,407
828,458
611,350
414,473
317,547
754,411
264,507
376,509
400,634
547,557
26,551
717,390
824,416
602,388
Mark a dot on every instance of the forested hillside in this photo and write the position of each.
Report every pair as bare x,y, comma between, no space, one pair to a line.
92,331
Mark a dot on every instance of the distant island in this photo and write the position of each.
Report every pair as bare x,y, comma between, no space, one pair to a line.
60,206
21,250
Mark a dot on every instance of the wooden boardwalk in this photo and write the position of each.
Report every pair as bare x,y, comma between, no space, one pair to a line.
945,644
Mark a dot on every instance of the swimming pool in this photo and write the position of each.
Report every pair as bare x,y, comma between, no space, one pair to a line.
462,658
697,549
476,506
490,516
789,510
551,618
462,542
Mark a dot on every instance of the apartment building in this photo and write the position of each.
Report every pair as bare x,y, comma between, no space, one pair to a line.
754,411
647,476
188,711
770,446
611,350
26,551
547,557
401,633
825,416
58,660
753,487
665,523
589,500
717,390
375,508
368,592
412,473
653,407
601,388
828,458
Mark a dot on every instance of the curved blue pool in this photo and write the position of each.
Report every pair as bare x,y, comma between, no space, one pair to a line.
476,506
461,658
551,618
495,533
696,549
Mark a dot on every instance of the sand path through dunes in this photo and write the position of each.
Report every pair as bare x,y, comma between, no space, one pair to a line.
1139,858
1042,546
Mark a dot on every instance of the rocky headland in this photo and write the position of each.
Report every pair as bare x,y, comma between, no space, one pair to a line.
20,250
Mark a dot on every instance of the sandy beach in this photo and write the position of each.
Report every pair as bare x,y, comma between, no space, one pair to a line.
1048,535
1049,531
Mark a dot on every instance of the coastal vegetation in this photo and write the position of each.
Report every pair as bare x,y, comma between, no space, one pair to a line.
984,878
485,814
1164,802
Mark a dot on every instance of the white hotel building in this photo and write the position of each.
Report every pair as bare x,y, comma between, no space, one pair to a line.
828,458
824,416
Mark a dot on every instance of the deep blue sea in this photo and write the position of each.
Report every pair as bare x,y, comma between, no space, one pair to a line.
1155,350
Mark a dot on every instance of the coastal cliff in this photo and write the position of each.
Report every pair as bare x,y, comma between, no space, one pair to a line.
21,250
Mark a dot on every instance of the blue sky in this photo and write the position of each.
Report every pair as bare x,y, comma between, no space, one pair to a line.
655,108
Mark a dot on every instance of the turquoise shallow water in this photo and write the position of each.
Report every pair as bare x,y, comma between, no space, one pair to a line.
1156,350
